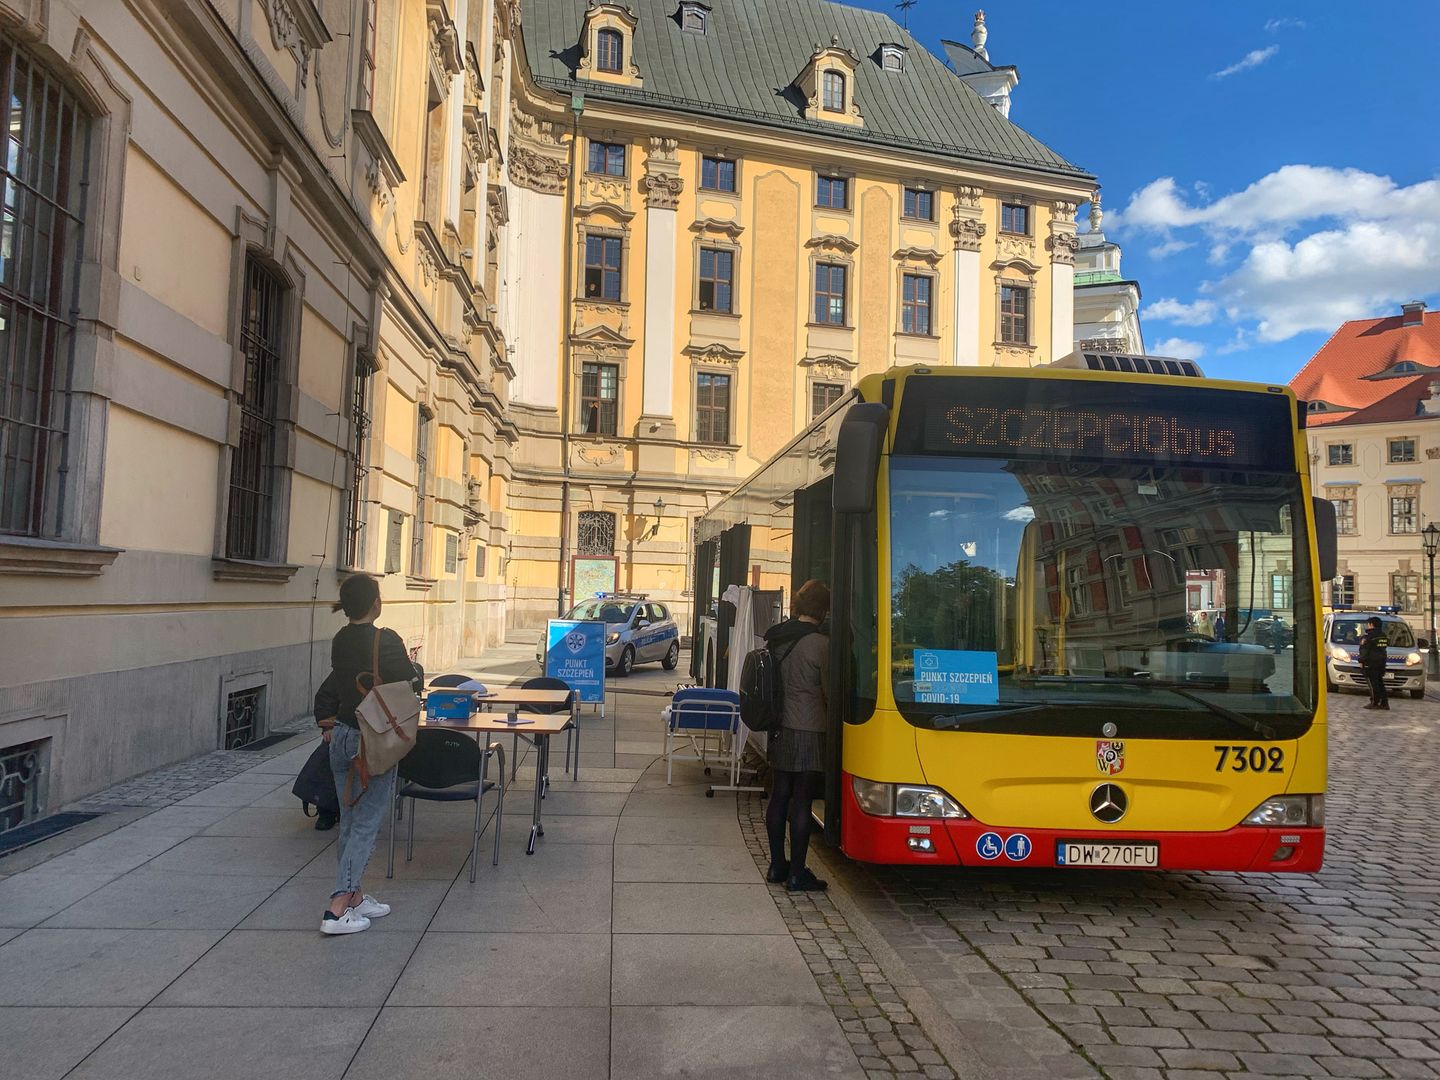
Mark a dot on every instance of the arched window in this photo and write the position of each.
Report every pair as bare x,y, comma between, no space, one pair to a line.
609,51
833,91
1405,367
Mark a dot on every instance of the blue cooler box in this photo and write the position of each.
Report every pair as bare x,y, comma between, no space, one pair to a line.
449,704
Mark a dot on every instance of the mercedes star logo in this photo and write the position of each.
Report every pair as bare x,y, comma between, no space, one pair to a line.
1108,803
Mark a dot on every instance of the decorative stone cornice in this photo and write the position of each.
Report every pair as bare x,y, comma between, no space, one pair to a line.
732,229
1063,247
967,233
1010,246
928,256
832,242
538,172
22,555
444,40
296,26
661,191
968,196
713,352
830,364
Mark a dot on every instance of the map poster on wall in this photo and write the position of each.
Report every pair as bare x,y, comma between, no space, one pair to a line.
591,574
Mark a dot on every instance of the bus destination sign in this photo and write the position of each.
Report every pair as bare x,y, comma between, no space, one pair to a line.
1069,419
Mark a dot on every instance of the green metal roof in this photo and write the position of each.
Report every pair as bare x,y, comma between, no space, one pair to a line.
744,66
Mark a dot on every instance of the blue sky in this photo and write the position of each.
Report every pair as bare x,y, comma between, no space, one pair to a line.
1271,169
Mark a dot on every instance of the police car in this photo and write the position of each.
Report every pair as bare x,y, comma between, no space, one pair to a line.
1404,663
638,631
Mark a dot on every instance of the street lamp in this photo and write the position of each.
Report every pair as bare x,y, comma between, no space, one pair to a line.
1431,533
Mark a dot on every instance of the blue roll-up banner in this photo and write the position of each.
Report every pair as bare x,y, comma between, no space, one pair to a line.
575,654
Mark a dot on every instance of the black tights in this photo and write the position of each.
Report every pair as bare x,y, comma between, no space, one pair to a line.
790,796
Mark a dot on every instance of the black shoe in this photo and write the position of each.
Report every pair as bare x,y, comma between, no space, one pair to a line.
805,881
1372,705
778,872
326,822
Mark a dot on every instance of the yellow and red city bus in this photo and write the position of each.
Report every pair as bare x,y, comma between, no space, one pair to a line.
1019,675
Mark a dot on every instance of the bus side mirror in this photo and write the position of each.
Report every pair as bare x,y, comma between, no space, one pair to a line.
1326,539
857,457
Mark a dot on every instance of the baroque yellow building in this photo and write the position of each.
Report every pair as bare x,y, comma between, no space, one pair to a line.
250,319
722,215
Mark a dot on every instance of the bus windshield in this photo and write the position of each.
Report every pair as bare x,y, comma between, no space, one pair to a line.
1051,597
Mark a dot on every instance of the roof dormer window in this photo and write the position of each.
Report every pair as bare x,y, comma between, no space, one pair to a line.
609,51
833,87
892,57
827,83
694,17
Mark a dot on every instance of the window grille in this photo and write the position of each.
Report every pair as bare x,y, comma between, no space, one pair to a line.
452,553
244,717
1341,453
422,484
250,526
359,441
43,173
608,159
919,204
595,534
369,49
717,275
1343,499
1404,509
603,260
1401,450
832,192
717,174
393,533
1342,591
830,294
21,770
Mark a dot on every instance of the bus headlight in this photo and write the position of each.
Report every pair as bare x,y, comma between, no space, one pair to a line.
904,800
1337,653
1284,810
1413,659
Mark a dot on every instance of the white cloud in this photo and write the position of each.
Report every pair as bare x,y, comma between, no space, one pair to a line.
1303,248
1254,58
1276,25
1178,347
1174,311
1019,513
1170,247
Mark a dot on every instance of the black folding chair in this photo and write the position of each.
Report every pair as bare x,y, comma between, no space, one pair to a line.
448,766
544,682
441,682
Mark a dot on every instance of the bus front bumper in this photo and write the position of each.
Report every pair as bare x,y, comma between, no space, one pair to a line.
960,842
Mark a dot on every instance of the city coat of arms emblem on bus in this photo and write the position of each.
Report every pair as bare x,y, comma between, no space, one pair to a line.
1110,756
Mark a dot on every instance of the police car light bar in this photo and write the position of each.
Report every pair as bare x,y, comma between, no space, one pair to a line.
1388,609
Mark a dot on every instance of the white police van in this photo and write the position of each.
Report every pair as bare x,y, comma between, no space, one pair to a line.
1404,659
638,631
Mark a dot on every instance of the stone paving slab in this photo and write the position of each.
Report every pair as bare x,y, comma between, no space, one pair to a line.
46,1043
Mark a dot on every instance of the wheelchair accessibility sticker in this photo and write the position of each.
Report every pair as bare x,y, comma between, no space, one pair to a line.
989,845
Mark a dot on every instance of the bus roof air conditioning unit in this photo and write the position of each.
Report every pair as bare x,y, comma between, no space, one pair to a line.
1142,365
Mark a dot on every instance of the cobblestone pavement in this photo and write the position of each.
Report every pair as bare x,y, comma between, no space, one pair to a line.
1134,976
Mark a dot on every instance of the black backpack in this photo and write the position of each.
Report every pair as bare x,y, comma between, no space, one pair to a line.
762,689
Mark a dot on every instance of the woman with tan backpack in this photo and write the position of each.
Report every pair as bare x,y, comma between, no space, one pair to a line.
373,713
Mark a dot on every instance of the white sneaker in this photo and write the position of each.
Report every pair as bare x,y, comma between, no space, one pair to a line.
352,922
370,908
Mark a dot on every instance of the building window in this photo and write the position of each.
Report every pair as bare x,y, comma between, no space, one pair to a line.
717,277
712,408
832,192
1401,451
1341,453
609,51
919,204
603,261
452,553
480,550
422,484
369,48
717,174
249,528
1281,591
22,776
830,293
606,158
1015,218
1405,591
892,58
1342,591
43,177
432,163
915,303
1343,499
692,18
823,395
1078,590
1014,315
599,399
595,533
1404,509
393,533
832,92
358,453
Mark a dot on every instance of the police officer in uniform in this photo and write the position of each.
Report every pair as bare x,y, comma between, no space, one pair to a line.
1374,649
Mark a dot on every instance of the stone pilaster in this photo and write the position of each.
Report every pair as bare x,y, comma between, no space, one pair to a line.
968,231
661,186
1063,244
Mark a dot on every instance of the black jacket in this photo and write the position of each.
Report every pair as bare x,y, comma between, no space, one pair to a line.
1374,646
350,657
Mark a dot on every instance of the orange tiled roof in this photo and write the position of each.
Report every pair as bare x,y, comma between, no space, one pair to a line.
1402,403
1337,374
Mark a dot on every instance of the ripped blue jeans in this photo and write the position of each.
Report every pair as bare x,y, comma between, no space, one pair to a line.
359,824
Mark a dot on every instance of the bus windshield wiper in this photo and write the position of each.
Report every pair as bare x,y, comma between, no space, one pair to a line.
954,720
1249,723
